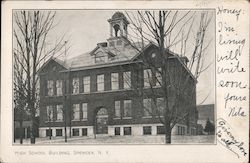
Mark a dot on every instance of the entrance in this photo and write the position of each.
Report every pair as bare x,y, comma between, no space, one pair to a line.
102,121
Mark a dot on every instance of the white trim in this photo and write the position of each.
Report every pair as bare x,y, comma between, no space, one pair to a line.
147,116
137,129
126,117
59,121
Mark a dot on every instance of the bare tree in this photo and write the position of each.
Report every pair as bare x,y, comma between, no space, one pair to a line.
167,30
19,95
31,31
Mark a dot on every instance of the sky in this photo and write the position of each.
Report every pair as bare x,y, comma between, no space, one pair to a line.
83,29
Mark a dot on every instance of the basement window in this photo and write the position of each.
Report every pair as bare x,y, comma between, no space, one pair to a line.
84,132
127,130
58,132
48,132
117,130
160,130
147,130
75,132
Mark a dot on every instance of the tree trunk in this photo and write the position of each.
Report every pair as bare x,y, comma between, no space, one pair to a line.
70,134
65,124
168,133
21,129
32,133
94,127
50,132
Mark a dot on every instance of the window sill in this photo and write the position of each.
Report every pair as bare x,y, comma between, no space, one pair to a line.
85,119
107,91
127,118
147,117
117,118
85,93
148,87
54,96
59,121
75,120
126,89
161,116
58,95
49,121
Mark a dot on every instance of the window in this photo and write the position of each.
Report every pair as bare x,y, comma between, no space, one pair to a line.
84,132
127,108
119,42
193,131
158,77
153,55
111,43
160,130
117,130
76,112
58,132
59,87
50,113
127,80
117,109
181,130
75,84
48,132
100,57
50,87
84,111
28,132
147,107
75,132
147,130
117,30
114,81
100,82
147,75
86,84
127,130
59,111
160,106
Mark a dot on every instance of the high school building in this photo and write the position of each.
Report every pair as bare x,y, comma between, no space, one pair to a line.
108,90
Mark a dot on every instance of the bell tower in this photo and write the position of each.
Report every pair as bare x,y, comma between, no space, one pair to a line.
118,30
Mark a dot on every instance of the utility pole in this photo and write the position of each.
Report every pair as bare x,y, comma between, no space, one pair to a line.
65,98
64,110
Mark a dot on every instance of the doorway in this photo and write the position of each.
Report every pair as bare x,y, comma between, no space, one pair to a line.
102,121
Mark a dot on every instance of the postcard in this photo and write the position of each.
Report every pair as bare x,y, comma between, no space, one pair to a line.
125,81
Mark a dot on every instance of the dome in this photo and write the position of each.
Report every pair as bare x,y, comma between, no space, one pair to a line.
118,15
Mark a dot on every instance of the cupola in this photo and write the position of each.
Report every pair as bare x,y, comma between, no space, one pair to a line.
118,30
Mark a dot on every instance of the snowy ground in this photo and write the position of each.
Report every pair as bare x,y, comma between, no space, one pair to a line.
159,139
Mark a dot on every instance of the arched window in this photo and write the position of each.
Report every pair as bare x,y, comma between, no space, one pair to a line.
102,111
117,30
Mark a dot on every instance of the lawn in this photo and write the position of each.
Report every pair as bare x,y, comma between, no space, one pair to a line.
150,139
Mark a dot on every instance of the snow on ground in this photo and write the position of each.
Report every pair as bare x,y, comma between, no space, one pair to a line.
159,139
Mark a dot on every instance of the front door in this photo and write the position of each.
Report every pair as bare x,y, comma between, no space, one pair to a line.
102,121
